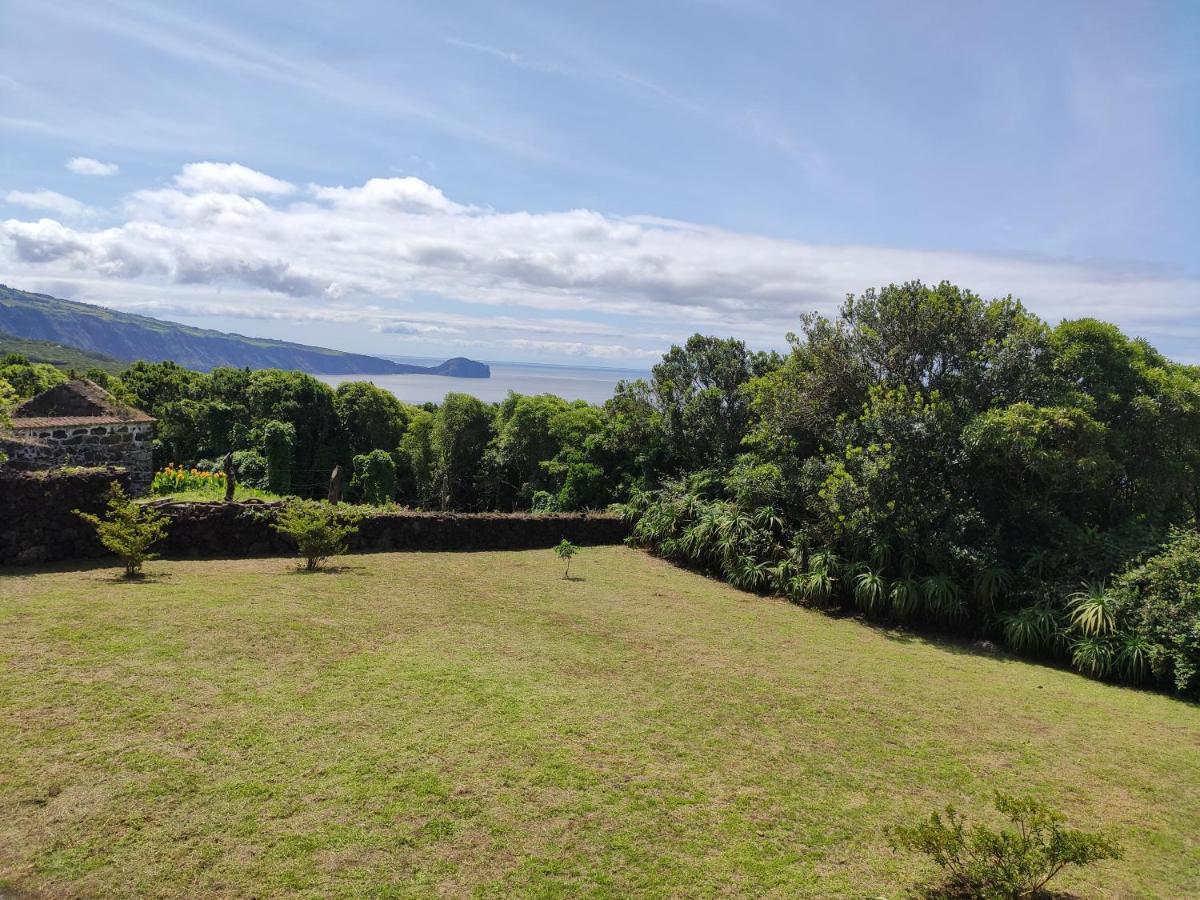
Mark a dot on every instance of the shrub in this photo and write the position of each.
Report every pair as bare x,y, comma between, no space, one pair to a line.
1160,602
319,529
375,477
128,529
1013,863
251,468
564,549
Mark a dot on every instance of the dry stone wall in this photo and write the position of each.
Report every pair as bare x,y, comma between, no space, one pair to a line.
37,524
37,519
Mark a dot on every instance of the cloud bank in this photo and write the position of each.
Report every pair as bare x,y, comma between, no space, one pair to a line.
396,256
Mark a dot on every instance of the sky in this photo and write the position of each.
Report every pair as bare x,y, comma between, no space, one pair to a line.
591,182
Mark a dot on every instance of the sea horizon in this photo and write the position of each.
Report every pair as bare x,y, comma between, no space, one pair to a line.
594,384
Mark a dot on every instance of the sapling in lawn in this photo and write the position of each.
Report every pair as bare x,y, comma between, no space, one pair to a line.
319,529
128,529
565,550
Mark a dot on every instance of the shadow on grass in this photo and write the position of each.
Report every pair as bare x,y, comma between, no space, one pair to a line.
574,578
139,578
328,570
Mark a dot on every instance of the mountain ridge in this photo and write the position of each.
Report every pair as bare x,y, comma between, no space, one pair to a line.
129,337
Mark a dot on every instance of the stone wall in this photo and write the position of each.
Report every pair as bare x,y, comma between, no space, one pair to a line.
244,529
125,444
37,522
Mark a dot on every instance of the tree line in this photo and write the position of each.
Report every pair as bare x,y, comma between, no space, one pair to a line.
924,454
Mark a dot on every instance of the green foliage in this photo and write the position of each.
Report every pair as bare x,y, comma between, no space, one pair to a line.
1093,610
370,417
1031,630
29,378
278,443
871,592
1157,606
565,550
128,529
460,432
1006,864
375,477
319,529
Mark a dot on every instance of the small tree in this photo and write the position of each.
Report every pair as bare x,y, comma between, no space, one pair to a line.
319,529
128,530
564,549
1010,864
375,477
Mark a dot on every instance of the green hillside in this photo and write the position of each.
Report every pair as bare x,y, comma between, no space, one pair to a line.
127,337
58,354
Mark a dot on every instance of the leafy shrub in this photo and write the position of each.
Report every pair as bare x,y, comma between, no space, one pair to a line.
1015,862
251,467
1159,603
564,549
128,529
375,477
543,502
319,529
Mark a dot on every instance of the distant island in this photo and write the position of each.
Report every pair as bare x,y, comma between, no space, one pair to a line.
126,337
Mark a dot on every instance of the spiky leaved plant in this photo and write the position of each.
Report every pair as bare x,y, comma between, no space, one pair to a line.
905,597
991,584
1133,656
1093,610
871,591
1032,629
1093,656
941,598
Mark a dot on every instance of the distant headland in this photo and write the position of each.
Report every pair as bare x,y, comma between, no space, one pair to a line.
126,337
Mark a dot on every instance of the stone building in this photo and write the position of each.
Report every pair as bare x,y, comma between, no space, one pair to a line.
80,424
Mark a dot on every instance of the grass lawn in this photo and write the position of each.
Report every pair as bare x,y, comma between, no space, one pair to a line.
458,724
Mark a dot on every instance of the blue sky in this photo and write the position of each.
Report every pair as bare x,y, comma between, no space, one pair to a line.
590,182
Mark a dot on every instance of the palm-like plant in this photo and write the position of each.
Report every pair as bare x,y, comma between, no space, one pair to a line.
905,597
1093,656
1032,629
1092,610
749,574
825,561
940,593
818,585
871,591
767,518
991,584
1133,656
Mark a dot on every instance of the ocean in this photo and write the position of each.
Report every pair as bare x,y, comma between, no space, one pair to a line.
593,384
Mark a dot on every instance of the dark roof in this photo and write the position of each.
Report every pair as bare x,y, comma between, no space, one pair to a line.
79,402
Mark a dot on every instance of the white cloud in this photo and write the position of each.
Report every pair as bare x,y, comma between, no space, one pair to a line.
50,201
568,282
397,194
85,165
229,178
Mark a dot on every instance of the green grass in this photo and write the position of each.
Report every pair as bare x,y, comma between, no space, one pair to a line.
474,724
240,492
